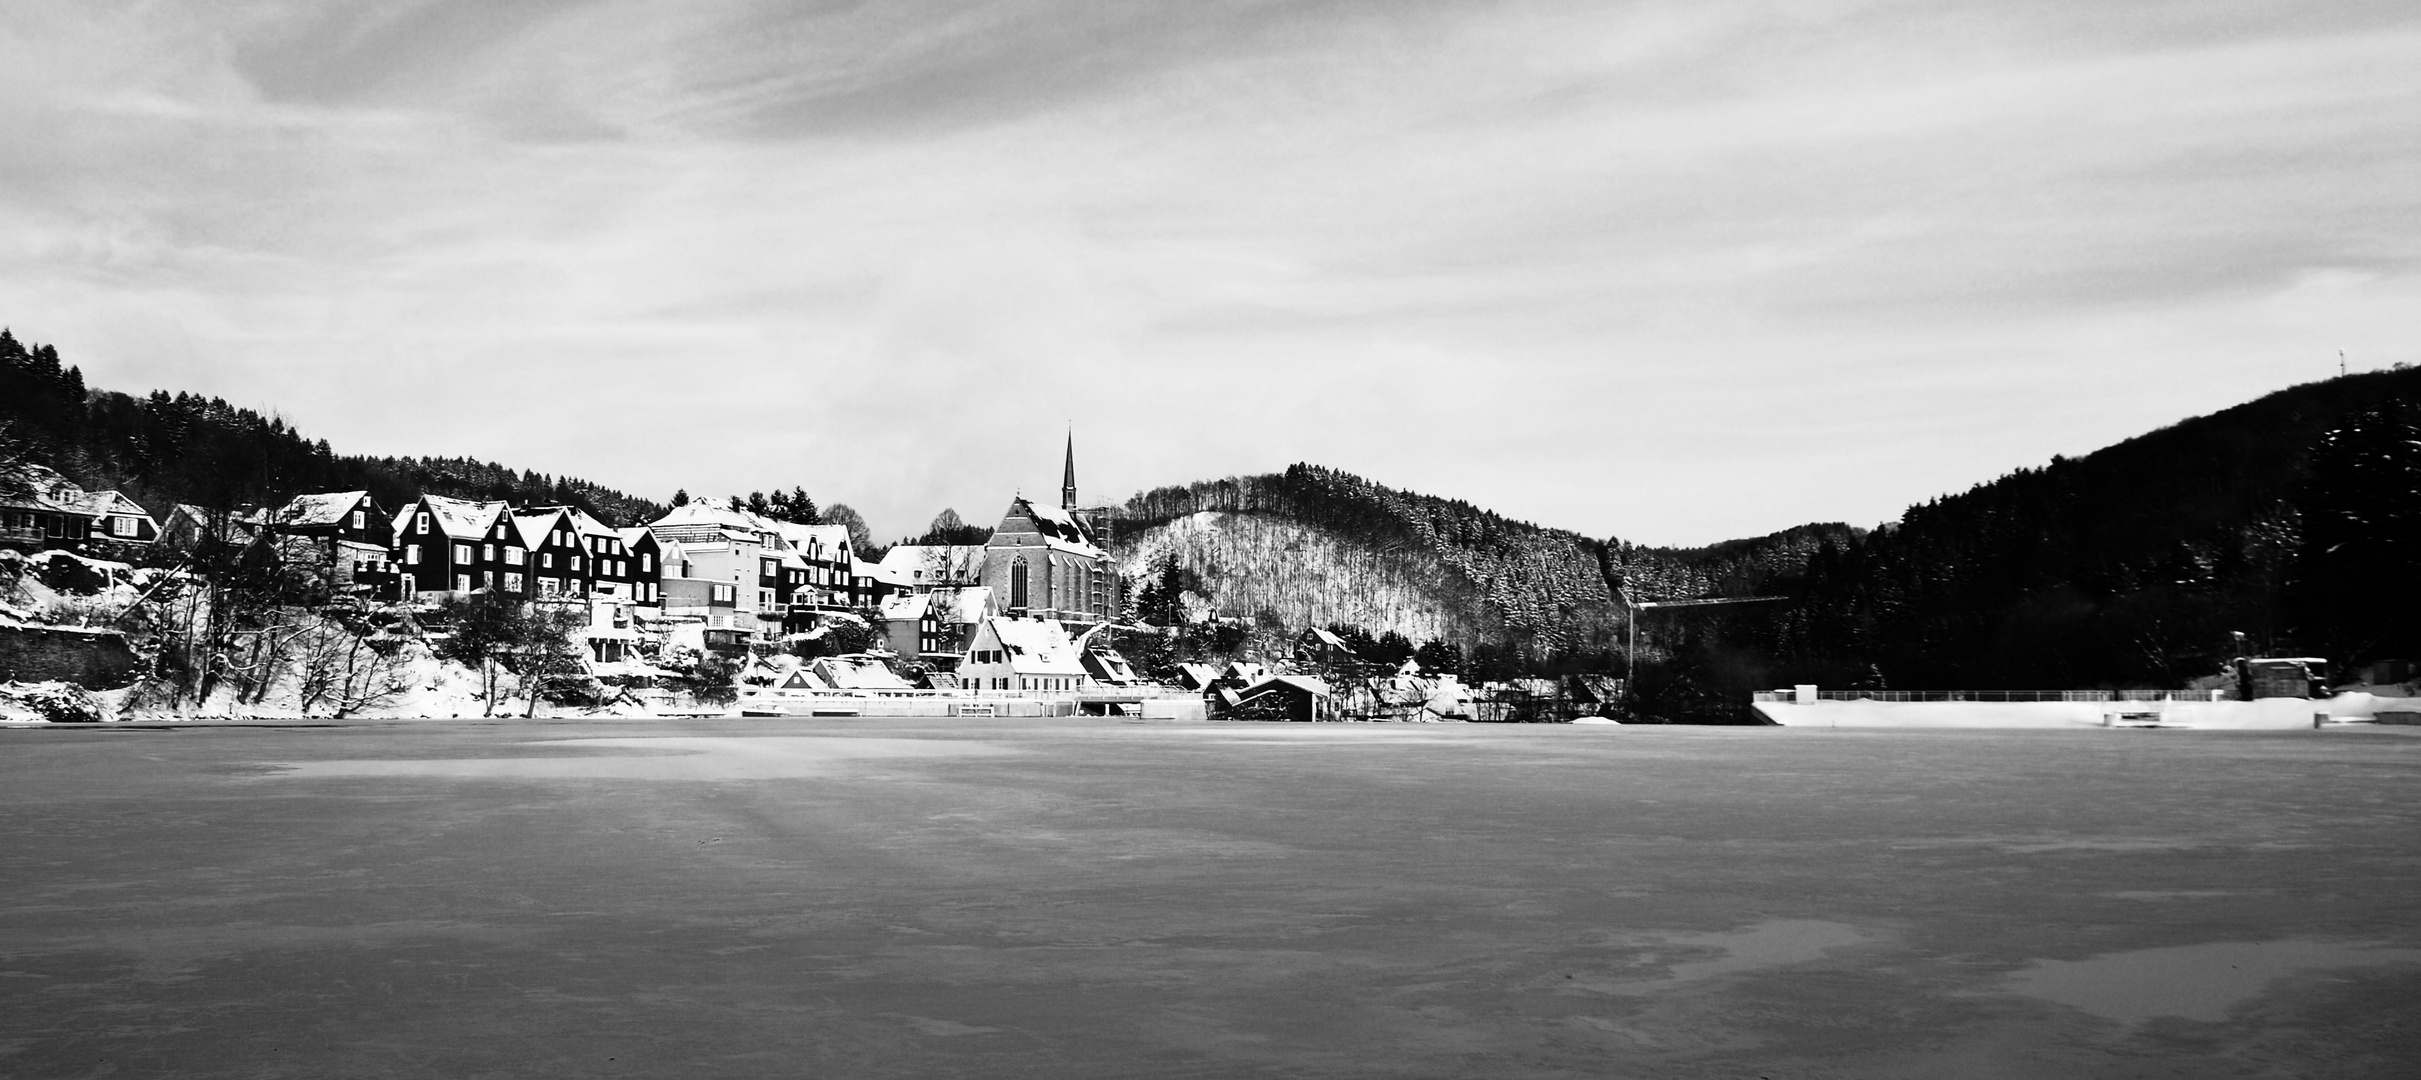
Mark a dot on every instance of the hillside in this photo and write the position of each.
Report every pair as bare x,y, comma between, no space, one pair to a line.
163,449
1224,557
2133,565
1314,546
2289,519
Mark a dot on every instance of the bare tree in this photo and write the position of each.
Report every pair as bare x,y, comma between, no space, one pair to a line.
343,669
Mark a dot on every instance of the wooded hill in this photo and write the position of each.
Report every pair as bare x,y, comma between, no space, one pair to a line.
1429,568
164,449
2294,519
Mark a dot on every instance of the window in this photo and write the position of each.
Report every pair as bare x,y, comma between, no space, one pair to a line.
646,562
723,594
462,583
121,526
575,564
512,556
420,521
411,554
764,598
462,554
772,568
487,553
361,520
548,586
1017,584
546,560
512,583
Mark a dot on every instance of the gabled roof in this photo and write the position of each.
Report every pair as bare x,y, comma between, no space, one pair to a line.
585,525
1035,646
1325,638
906,607
50,491
1299,682
534,526
459,519
114,501
1058,528
857,673
1107,666
824,542
631,536
320,508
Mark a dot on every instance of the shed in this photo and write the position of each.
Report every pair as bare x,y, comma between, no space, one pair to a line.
1299,698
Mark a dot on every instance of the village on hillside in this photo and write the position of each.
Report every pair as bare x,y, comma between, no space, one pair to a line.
332,604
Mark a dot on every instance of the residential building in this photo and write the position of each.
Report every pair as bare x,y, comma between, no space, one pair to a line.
119,519
926,567
445,545
55,513
722,563
346,533
613,572
549,558
1021,654
50,515
644,562
936,626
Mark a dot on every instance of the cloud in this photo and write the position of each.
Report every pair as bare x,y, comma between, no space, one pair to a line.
1677,271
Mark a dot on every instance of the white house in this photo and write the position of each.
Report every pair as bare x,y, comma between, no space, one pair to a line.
1010,654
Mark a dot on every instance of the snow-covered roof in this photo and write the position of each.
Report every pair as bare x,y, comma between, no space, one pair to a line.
1036,646
50,491
930,564
907,607
319,508
585,525
1301,682
696,520
1106,665
965,605
533,528
1058,528
631,536
115,502
461,519
822,542
857,673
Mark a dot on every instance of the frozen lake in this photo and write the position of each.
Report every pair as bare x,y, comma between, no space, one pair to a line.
1095,898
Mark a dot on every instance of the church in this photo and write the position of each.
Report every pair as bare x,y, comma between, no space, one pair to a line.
1051,562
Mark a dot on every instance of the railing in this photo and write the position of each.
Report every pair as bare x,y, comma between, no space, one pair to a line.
1787,697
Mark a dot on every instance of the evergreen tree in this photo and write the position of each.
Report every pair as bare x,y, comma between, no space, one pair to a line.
2360,505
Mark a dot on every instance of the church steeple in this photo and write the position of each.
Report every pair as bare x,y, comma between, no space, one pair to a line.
1067,485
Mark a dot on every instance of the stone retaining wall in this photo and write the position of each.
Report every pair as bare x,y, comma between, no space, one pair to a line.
93,659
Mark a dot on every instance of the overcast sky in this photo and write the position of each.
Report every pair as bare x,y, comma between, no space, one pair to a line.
1674,272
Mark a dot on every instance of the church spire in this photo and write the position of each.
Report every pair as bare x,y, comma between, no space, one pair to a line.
1067,485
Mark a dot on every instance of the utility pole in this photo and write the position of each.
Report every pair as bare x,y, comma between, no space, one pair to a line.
2341,363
